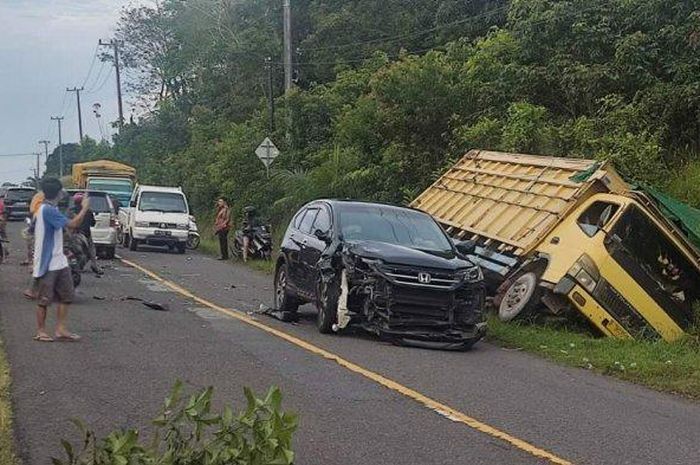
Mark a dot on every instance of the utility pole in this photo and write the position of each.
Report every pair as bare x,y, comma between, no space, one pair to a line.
80,114
60,144
115,48
287,45
270,95
46,153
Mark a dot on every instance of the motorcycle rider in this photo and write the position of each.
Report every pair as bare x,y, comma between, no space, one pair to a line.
84,229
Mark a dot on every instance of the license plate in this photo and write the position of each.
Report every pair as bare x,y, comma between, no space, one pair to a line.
21,204
162,233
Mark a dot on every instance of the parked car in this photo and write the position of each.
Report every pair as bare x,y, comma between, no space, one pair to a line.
391,270
104,207
16,201
156,216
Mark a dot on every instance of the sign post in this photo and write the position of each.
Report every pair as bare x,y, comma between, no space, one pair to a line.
267,152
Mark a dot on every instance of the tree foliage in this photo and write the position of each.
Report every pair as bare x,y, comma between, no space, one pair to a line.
388,95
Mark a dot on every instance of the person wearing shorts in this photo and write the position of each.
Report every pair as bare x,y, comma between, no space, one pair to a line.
54,283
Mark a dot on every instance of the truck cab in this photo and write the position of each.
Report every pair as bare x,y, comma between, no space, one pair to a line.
119,189
157,216
625,267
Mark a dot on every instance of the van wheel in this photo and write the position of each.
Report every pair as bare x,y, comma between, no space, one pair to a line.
125,240
110,252
327,295
181,247
133,244
284,302
521,298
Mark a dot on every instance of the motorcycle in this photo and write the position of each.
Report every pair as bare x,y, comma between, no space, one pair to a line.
79,248
193,238
73,265
260,245
3,248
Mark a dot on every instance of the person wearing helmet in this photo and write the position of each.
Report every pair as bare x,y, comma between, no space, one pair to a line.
84,229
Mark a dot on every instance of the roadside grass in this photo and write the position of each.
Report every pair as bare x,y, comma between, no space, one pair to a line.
669,367
210,246
7,446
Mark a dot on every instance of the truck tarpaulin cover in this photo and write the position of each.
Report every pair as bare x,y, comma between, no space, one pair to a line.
685,216
101,167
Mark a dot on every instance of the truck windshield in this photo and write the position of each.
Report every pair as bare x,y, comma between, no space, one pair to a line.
169,202
20,195
655,262
110,185
392,225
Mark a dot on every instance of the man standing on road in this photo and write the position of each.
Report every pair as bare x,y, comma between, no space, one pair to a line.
54,280
222,224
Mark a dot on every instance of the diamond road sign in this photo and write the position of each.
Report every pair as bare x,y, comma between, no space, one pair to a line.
267,152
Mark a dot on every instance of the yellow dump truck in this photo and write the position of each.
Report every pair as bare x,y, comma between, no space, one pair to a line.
571,234
117,179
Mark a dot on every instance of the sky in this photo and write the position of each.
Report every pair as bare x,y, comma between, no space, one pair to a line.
46,46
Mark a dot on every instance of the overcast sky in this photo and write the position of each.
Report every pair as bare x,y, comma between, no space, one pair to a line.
46,46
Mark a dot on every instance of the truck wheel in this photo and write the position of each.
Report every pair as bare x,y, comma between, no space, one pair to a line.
133,244
283,301
521,298
327,295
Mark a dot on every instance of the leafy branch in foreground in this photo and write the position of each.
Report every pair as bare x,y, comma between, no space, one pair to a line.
188,432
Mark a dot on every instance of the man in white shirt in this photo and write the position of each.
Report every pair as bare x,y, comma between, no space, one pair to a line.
51,271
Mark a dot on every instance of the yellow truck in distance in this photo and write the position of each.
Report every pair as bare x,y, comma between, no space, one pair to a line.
570,234
117,179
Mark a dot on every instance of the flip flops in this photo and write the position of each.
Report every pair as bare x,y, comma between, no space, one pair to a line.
43,338
68,338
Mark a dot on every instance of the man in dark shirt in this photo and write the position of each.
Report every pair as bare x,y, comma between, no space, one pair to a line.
84,229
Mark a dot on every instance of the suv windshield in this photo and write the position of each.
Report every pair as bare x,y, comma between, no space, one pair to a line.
393,225
654,261
21,195
99,204
169,202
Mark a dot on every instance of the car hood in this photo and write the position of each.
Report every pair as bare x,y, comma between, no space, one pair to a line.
400,255
162,217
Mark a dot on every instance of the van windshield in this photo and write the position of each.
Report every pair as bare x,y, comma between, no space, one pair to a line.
168,202
655,262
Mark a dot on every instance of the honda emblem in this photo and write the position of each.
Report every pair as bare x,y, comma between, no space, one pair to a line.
424,278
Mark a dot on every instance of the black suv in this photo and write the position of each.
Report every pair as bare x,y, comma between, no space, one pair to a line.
391,270
17,200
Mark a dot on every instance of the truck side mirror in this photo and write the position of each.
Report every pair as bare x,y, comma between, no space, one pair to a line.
466,247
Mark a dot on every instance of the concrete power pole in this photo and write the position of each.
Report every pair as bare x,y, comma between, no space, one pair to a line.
115,49
46,154
80,114
60,144
287,45
270,95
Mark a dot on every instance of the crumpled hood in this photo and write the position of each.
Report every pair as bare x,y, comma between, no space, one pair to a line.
400,255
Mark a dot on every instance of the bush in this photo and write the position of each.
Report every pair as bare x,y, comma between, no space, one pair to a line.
188,432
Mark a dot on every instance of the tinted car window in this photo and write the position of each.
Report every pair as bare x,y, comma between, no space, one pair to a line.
323,221
399,226
22,195
99,204
308,220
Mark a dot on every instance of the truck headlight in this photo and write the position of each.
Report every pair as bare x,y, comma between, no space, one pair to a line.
141,224
585,272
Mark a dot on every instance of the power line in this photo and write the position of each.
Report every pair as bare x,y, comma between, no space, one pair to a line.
92,65
102,84
8,155
412,34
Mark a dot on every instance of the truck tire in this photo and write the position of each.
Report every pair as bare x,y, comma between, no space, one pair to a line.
284,302
327,295
522,297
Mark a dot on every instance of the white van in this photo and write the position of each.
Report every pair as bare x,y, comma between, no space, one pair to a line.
156,216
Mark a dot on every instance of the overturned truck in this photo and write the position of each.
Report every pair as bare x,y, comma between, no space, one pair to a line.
569,235
390,270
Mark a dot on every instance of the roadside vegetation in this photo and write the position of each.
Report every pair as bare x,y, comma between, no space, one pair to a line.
7,446
189,431
669,367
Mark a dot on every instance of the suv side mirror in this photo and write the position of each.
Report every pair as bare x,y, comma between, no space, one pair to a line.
466,247
323,236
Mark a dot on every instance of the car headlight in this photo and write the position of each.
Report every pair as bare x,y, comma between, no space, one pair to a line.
470,275
585,272
141,224
184,226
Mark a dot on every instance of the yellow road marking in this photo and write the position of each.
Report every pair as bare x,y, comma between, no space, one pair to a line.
432,404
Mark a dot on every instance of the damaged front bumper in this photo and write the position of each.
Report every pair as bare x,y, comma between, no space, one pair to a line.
447,312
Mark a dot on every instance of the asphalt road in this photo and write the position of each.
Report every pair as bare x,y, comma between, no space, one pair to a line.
130,356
